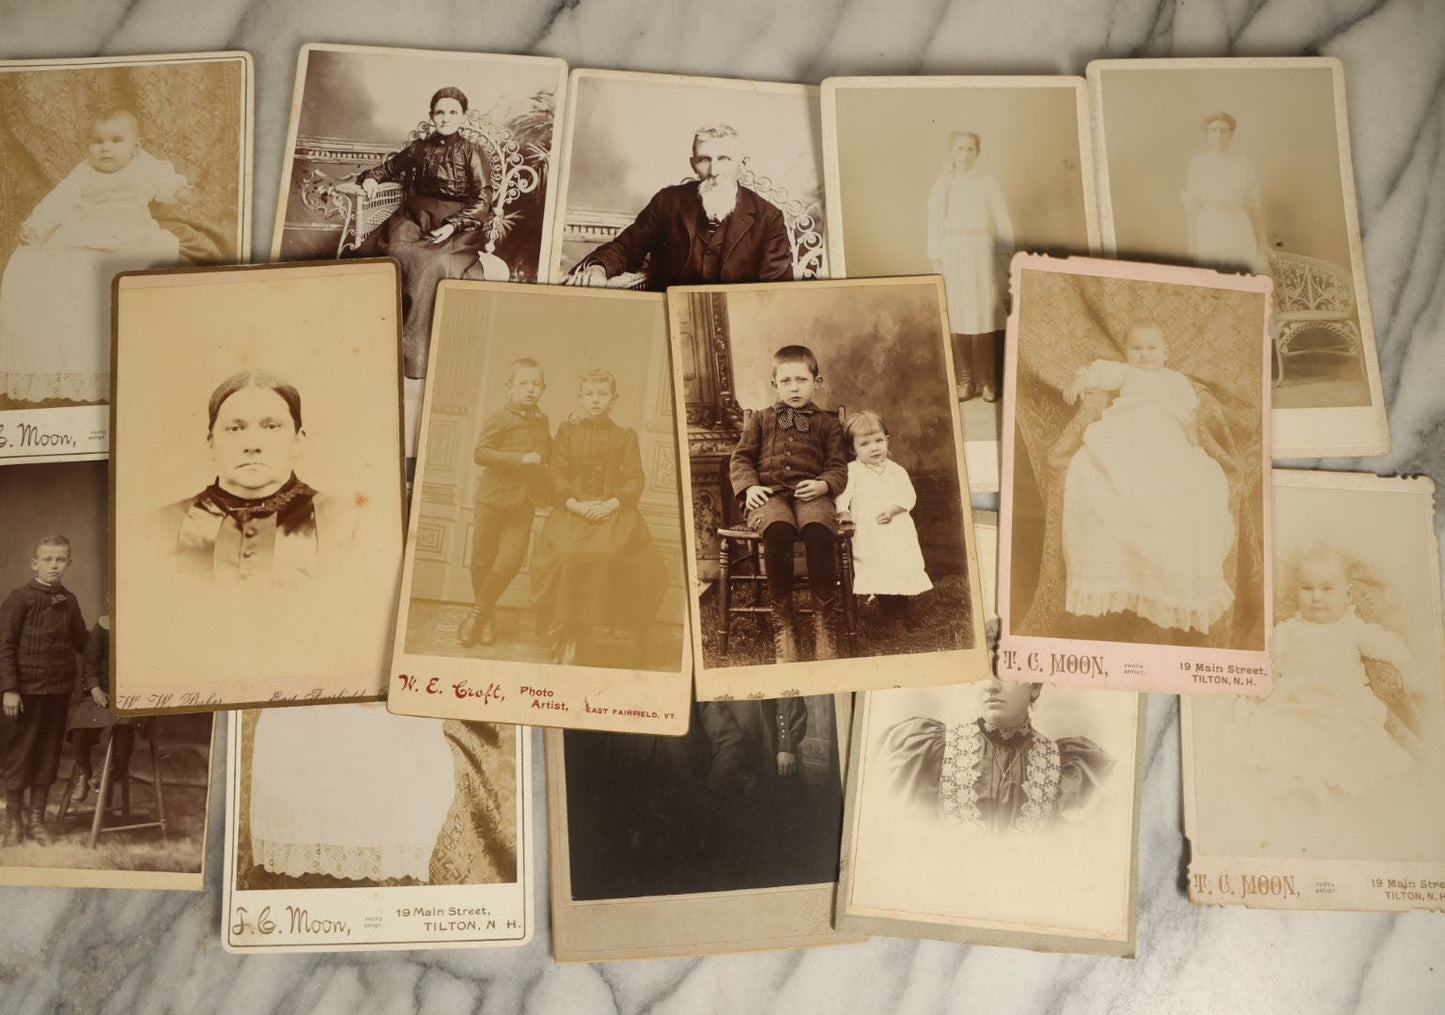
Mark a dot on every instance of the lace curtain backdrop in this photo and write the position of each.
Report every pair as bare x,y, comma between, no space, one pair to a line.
1214,338
189,114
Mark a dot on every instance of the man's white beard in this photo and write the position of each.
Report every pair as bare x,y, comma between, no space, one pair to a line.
718,197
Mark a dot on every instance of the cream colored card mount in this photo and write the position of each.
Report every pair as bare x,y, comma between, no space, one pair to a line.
725,840
257,491
829,543
543,580
351,829
996,164
1326,793
1049,846
1134,542
110,164
1243,164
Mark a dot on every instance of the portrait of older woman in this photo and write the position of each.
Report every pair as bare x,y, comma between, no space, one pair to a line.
1221,203
995,772
438,231
257,524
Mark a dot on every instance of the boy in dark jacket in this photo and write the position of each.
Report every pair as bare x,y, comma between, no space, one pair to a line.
41,631
788,466
512,449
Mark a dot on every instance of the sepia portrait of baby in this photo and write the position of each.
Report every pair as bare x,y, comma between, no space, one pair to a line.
1138,453
276,493
994,164
560,543
1243,165
1343,758
91,797
720,181
106,165
824,456
1038,784
440,160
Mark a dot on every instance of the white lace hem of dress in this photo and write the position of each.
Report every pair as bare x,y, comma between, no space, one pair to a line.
352,863
1199,616
43,387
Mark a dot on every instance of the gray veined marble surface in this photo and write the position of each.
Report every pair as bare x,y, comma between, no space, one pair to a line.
159,951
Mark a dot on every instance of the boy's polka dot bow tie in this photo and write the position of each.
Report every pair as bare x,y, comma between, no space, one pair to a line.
799,419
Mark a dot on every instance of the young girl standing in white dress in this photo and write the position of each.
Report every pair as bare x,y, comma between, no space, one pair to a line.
887,559
1146,522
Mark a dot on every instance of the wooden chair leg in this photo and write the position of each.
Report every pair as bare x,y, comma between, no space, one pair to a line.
724,589
160,786
850,602
105,781
64,809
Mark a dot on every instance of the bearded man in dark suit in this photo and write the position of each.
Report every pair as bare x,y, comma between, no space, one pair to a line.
712,229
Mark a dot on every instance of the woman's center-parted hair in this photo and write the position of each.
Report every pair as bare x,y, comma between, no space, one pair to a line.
253,379
862,423
795,354
448,92
1223,118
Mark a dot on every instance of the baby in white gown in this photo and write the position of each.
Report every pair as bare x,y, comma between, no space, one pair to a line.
1146,522
1322,728
55,293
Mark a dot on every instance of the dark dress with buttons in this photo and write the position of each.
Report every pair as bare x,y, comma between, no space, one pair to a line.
280,541
446,181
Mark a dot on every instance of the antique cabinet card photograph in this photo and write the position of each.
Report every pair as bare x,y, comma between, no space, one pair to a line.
106,165
1326,793
827,520
440,160
349,828
994,813
1134,536
672,180
1243,164
256,484
951,175
543,579
725,840
92,799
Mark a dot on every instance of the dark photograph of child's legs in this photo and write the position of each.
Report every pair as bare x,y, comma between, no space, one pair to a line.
712,811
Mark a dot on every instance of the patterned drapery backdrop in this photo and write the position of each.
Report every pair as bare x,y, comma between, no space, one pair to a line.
1214,337
189,115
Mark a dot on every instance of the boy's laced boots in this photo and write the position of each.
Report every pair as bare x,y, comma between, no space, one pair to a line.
785,642
39,797
823,646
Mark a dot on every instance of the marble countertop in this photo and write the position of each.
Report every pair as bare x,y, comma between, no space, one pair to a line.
161,951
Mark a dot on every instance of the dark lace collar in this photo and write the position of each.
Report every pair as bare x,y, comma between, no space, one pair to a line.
242,507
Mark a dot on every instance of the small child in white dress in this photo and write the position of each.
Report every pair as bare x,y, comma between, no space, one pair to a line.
1146,522
1323,729
55,293
887,560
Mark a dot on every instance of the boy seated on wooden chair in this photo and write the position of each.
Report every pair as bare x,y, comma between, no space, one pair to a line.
788,466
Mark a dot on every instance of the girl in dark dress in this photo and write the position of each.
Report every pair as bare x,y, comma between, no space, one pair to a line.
594,561
440,227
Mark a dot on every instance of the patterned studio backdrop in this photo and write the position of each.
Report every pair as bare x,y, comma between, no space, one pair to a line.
189,115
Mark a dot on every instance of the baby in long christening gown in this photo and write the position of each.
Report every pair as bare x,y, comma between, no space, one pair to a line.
55,293
1146,522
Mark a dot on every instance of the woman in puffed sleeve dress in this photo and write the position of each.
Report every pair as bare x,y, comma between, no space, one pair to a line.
996,772
440,227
